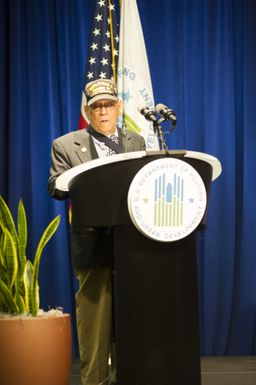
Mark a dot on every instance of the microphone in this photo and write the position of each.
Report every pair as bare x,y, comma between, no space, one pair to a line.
148,113
166,112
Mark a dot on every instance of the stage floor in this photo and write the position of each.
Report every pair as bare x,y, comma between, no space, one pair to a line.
229,370
235,370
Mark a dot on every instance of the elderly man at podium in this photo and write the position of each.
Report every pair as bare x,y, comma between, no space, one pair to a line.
92,257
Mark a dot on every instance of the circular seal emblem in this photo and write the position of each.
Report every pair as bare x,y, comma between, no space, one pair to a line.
167,199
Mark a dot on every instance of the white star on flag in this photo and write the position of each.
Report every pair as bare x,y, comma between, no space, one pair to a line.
98,17
92,60
94,46
106,47
96,32
90,75
104,61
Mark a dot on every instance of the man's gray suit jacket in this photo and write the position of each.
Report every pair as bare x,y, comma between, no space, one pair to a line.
78,147
90,247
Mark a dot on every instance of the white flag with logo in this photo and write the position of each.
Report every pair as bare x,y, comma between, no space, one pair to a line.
134,82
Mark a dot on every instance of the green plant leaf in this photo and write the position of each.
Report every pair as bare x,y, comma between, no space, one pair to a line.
18,276
10,257
3,273
1,234
6,219
22,235
19,300
48,233
36,300
28,285
1,258
7,299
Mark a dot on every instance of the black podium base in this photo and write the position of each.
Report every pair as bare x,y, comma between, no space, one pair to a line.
157,334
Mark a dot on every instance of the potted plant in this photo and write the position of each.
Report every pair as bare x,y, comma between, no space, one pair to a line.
35,345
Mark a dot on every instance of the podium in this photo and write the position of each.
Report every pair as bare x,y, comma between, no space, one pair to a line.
155,294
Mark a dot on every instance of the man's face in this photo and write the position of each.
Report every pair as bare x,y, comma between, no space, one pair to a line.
103,115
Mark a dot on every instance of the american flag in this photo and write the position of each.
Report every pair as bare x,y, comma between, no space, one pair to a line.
103,48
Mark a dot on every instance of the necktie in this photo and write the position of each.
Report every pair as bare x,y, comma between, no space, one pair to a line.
114,138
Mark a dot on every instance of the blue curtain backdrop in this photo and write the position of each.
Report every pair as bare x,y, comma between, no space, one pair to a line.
202,56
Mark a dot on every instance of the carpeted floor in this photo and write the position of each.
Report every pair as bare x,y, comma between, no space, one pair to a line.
238,370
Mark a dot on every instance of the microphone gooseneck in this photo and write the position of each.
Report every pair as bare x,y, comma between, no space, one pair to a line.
165,114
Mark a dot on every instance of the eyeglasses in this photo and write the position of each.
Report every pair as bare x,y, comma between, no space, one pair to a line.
97,107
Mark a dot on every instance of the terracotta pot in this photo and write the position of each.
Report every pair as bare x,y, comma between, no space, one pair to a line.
35,351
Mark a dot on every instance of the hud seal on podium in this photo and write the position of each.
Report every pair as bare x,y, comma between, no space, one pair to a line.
167,199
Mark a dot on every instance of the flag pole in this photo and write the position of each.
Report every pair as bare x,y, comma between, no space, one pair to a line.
112,41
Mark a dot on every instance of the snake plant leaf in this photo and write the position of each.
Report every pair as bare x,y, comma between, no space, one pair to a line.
1,235
18,275
2,264
10,257
20,303
28,280
7,299
3,278
20,290
3,273
48,233
35,303
22,234
6,219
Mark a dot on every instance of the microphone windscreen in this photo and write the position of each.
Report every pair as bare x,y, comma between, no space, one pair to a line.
160,108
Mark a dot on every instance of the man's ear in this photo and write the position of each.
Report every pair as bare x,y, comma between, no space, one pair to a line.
87,115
